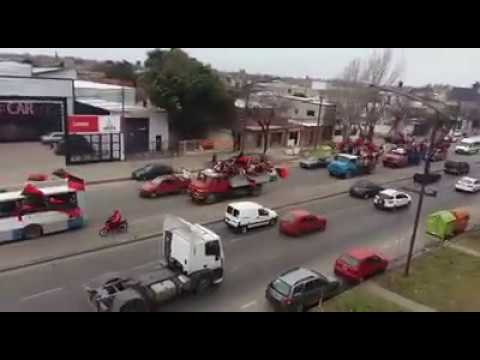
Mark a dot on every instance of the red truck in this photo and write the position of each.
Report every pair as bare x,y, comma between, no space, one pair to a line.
238,176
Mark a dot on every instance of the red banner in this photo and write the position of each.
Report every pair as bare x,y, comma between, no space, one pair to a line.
82,124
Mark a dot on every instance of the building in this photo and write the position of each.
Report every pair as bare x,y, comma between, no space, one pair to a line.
33,102
298,121
467,103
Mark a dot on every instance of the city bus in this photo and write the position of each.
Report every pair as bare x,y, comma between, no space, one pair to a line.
34,211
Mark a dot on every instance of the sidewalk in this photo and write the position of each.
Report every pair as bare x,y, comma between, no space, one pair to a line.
13,173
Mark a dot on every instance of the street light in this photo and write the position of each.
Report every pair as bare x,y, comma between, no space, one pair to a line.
426,171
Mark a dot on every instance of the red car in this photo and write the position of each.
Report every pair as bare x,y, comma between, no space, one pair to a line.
359,264
163,185
299,222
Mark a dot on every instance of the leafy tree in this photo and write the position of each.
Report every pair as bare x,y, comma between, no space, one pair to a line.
121,70
193,95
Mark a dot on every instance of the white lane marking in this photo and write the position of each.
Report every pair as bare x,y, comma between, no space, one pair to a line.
40,294
247,305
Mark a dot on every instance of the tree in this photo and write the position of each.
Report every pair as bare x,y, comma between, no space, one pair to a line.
354,100
191,92
121,70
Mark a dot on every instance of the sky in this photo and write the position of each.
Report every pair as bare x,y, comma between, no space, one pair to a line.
454,66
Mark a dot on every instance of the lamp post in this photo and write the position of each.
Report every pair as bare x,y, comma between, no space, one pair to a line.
426,170
317,137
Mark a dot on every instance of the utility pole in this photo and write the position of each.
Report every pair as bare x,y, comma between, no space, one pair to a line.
319,117
426,173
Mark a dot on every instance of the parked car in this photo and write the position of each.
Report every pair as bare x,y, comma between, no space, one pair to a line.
468,146
79,146
151,171
365,189
52,138
392,199
299,289
314,163
468,184
164,185
359,264
246,215
456,167
300,222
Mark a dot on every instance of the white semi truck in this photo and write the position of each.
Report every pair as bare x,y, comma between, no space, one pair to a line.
192,262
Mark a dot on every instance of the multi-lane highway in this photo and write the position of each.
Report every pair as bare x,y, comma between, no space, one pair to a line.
251,259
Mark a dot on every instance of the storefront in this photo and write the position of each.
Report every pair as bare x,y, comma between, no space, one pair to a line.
27,118
94,138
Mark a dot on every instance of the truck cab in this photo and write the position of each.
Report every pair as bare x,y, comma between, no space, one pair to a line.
192,261
344,165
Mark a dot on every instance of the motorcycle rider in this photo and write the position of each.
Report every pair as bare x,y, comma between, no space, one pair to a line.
115,219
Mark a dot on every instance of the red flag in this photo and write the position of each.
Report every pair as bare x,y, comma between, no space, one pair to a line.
76,183
30,190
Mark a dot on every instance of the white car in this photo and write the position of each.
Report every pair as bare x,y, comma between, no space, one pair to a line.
468,184
246,215
52,138
392,199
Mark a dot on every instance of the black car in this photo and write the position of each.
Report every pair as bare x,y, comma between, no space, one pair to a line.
151,171
365,189
300,289
456,167
78,144
314,163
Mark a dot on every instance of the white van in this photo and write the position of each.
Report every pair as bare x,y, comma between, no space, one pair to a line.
246,215
468,146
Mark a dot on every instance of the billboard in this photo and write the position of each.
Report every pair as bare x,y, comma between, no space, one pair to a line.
28,119
93,124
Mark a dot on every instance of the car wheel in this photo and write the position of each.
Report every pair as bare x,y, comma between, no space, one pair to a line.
33,232
203,285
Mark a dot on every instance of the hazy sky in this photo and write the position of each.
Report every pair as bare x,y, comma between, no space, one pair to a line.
455,66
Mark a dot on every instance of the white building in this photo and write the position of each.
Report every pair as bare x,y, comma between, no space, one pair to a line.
32,105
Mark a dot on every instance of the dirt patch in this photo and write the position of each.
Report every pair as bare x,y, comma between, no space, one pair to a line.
446,280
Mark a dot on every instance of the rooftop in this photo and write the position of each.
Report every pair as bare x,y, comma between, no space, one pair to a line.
240,205
83,84
361,253
297,275
110,105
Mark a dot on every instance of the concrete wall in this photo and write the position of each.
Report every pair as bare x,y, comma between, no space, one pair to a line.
34,87
159,126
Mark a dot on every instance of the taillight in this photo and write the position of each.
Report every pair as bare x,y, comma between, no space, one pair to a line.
287,301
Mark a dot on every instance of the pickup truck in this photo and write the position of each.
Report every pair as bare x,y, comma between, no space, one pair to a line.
347,166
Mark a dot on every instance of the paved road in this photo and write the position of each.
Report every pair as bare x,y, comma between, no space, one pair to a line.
102,199
251,260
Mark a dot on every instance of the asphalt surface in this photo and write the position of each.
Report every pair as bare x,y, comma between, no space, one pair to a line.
252,260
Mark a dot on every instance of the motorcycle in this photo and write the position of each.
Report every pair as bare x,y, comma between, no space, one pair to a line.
111,227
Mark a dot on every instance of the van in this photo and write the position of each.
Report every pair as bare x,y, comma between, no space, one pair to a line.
469,146
246,215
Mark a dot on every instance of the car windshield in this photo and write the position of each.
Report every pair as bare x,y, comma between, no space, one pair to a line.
385,196
281,287
363,184
350,260
467,181
232,211
312,159
288,217
157,181
147,168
